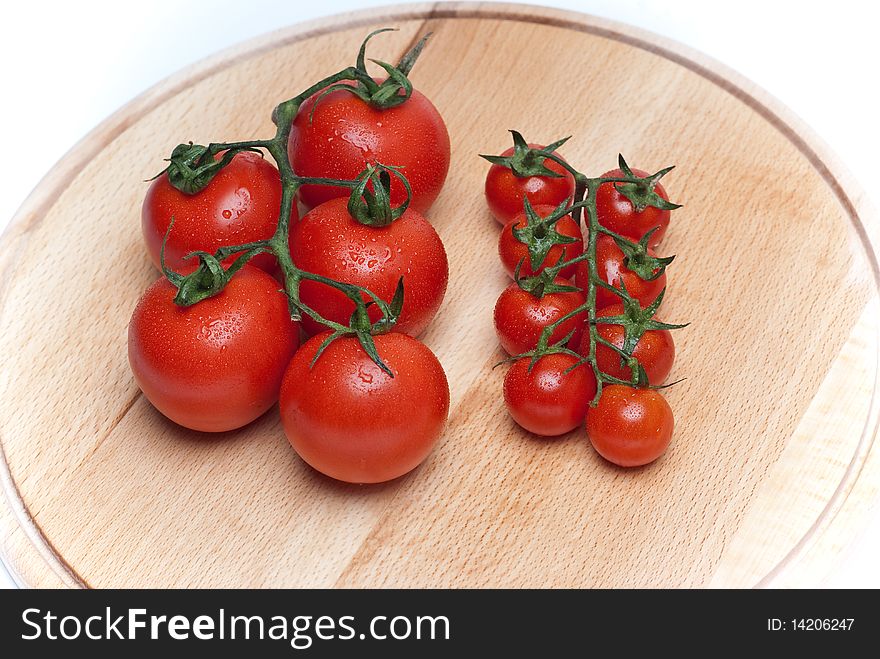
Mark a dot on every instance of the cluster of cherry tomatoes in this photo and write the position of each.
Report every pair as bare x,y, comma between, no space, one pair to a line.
216,341
578,320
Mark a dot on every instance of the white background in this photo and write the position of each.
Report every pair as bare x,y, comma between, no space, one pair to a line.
68,65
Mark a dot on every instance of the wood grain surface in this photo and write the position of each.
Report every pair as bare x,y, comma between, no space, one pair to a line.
772,466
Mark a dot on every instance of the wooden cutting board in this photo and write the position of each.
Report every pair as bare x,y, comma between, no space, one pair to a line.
772,466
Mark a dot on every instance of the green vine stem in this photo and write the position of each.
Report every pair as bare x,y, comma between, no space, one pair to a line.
636,321
192,167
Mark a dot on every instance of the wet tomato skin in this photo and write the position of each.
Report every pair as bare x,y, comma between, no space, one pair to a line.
610,267
329,242
238,206
655,349
511,251
616,212
345,134
548,400
630,427
505,191
216,365
520,317
349,420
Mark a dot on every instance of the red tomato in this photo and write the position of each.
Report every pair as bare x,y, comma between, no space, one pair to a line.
548,401
345,134
655,350
349,420
216,365
511,250
609,264
630,427
329,242
239,205
505,191
520,317
617,213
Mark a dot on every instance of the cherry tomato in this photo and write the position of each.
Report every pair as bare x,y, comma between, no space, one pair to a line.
345,134
511,250
329,242
549,401
610,267
655,350
239,205
349,420
617,213
505,190
630,427
216,365
520,317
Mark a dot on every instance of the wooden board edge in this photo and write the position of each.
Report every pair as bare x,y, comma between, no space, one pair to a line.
24,551
809,557
28,554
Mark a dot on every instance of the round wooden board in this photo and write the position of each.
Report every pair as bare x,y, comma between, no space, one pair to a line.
771,469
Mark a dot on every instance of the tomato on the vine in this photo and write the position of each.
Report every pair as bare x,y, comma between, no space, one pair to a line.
520,317
553,398
512,251
239,205
630,427
338,134
655,349
611,269
328,241
350,420
505,190
619,214
216,365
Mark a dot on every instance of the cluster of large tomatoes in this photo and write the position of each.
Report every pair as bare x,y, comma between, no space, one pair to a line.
216,342
580,312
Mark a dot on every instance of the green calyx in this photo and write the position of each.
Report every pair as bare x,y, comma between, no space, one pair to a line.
540,234
370,199
558,348
191,167
544,282
359,325
206,280
637,258
635,322
526,161
393,91
642,194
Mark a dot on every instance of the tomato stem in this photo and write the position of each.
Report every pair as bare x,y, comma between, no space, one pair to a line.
194,166
584,199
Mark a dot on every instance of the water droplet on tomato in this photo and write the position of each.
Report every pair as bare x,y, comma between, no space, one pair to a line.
365,376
